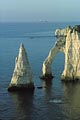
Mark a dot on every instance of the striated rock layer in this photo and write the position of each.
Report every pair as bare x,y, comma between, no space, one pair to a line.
22,78
68,42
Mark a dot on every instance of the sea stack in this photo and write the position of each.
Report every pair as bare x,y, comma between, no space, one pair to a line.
22,78
68,42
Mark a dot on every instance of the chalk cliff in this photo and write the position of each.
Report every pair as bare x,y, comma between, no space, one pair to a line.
62,32
68,42
22,78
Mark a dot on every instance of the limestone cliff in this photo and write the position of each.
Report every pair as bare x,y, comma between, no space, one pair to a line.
72,56
69,43
22,76
62,32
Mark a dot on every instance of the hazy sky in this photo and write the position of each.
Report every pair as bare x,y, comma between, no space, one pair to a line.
35,10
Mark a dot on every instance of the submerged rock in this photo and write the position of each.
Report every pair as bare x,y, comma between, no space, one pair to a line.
22,78
69,44
39,87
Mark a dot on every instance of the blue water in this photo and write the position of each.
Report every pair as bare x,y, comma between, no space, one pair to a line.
57,101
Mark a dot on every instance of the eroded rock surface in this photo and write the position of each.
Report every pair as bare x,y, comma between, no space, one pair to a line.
22,78
68,42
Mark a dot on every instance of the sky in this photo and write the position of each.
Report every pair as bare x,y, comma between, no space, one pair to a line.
39,10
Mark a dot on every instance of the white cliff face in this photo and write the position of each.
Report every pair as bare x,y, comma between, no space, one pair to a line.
72,56
70,45
22,75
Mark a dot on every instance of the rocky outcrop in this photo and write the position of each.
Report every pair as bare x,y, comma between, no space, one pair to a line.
22,78
62,32
77,28
69,44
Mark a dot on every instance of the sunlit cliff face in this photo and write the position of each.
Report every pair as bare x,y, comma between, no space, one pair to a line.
68,41
22,76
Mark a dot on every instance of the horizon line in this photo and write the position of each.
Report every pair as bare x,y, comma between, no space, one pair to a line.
38,21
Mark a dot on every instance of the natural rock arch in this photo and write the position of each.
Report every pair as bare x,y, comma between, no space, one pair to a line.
68,42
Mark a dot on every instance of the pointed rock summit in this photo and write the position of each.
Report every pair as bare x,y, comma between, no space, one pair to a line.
22,78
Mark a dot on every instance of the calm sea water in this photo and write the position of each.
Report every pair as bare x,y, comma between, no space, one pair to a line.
57,101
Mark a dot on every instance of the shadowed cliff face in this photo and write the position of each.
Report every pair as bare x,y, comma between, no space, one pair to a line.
68,41
77,28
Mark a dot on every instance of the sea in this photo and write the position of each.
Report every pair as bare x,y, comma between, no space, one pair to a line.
55,100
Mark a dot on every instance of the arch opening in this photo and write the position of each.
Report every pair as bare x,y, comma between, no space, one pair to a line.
58,65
